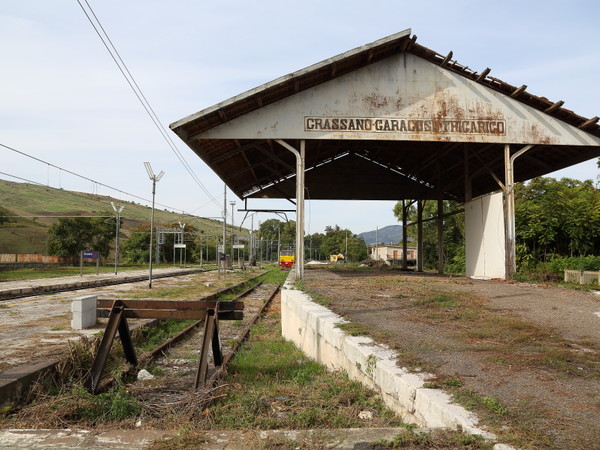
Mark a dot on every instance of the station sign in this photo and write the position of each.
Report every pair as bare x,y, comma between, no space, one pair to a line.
91,254
180,245
239,246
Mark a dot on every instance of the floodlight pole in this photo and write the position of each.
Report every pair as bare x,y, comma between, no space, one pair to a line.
154,179
118,227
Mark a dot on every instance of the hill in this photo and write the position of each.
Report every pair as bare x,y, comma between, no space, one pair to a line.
37,207
392,234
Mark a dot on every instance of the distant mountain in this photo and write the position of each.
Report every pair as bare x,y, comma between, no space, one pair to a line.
392,234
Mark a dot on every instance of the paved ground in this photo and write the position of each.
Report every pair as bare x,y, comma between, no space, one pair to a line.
516,364
35,329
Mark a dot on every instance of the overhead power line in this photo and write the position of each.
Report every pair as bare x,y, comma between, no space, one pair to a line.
116,57
75,174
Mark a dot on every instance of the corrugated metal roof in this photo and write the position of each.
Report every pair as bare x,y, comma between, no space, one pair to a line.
259,167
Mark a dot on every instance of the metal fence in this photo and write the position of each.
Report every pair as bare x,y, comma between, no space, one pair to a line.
11,258
582,277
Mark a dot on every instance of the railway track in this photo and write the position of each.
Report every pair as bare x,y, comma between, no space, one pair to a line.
174,363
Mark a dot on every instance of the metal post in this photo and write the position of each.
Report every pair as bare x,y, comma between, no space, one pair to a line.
346,254
300,155
155,179
224,230
440,218
404,235
377,243
278,242
420,246
509,163
232,203
118,228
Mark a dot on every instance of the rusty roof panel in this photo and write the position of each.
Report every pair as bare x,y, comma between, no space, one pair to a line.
261,167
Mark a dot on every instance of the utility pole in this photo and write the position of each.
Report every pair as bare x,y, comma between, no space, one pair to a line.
224,229
346,254
278,241
155,179
232,203
118,227
377,243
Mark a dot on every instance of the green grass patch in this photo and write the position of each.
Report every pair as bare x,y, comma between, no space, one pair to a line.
442,300
272,385
435,440
148,338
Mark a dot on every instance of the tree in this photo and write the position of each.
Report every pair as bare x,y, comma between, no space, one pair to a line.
312,245
556,217
135,249
70,236
453,234
337,240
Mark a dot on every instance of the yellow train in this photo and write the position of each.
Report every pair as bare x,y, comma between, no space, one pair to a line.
286,258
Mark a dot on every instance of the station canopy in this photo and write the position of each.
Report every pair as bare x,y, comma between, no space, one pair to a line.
390,120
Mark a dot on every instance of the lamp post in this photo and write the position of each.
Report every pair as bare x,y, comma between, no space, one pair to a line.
154,179
232,203
118,227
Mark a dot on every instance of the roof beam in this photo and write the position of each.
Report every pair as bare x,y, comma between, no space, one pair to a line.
236,151
589,122
447,59
276,158
483,74
554,107
518,91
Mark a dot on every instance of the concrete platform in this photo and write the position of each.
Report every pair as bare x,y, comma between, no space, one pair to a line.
26,288
350,438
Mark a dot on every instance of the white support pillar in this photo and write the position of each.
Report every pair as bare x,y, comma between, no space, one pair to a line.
300,156
509,181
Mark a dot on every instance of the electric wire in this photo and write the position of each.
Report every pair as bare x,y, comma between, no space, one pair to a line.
140,95
183,213
78,175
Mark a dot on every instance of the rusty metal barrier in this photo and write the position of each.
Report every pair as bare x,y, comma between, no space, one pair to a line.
120,310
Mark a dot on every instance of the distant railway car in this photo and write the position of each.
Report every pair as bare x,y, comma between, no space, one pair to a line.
286,258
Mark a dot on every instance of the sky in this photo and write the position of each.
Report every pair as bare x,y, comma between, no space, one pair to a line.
64,101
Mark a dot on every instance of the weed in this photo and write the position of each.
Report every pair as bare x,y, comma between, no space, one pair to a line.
352,328
452,382
57,328
371,364
474,401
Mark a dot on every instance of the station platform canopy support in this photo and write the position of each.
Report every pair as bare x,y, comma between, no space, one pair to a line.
394,120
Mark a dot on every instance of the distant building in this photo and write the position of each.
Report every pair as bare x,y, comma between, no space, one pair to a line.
392,254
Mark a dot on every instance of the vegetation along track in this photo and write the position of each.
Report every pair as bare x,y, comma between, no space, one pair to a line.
173,364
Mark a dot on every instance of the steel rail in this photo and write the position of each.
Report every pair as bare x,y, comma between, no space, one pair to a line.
162,348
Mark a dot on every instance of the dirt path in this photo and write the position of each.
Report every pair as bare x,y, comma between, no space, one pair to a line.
526,358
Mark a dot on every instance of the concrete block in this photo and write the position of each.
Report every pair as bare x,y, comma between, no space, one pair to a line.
84,312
